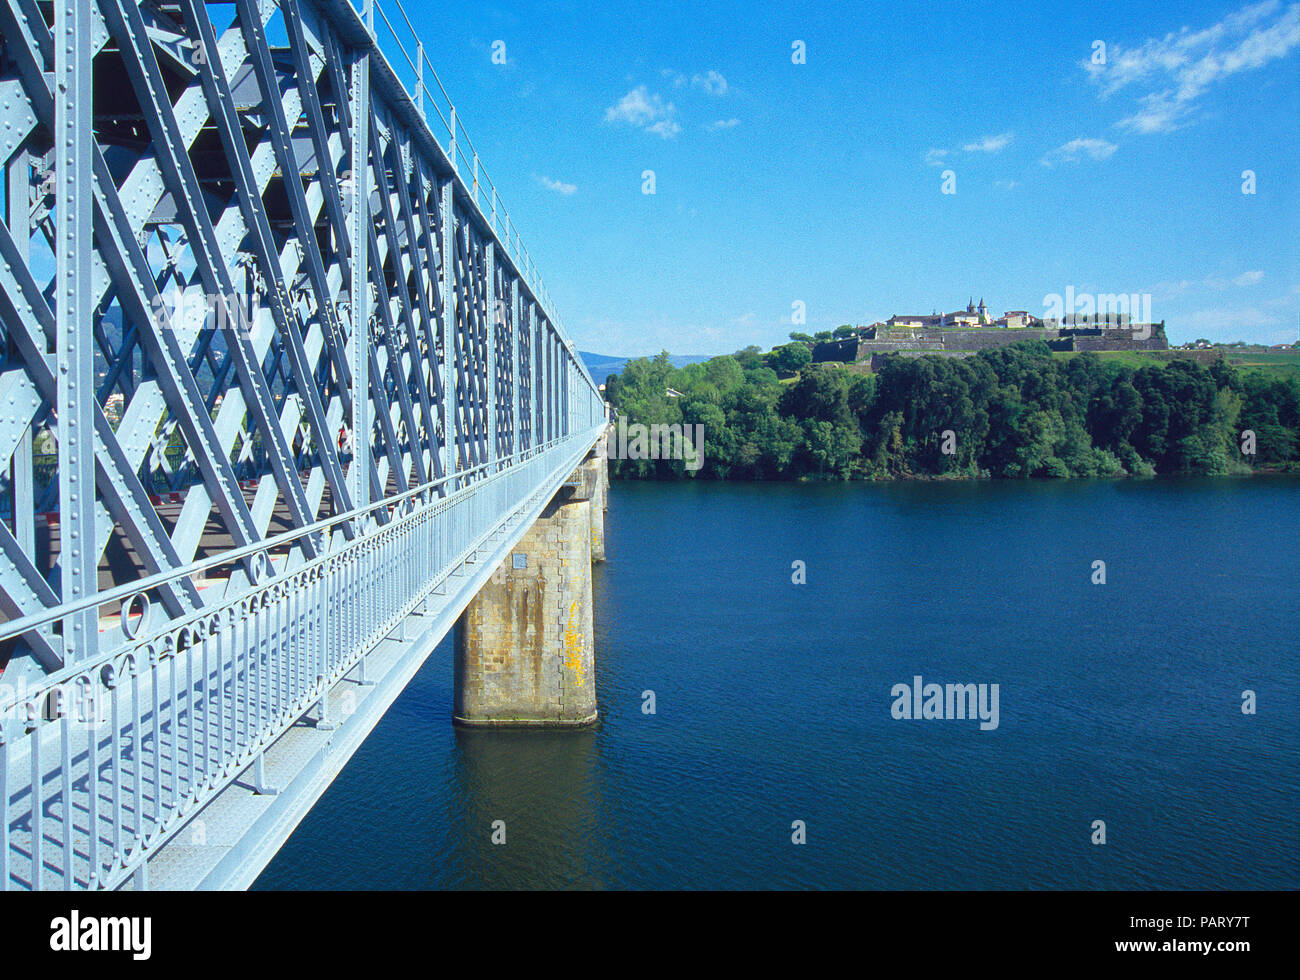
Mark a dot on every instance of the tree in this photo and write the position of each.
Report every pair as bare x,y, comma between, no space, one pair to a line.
791,358
820,393
831,450
613,383
749,358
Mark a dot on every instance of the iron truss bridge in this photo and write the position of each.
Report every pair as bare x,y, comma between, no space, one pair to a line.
233,523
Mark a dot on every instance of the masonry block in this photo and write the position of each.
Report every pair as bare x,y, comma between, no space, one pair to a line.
524,648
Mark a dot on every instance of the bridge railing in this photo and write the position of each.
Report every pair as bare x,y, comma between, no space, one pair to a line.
119,751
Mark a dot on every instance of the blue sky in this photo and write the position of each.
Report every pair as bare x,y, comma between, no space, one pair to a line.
821,182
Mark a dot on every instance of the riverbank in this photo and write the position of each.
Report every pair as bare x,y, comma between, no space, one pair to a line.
1243,473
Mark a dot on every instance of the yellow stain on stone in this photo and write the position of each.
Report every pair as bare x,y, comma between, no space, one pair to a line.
573,641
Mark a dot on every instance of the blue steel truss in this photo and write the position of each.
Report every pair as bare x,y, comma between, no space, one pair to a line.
219,495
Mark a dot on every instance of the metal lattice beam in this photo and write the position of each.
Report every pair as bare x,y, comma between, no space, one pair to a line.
274,374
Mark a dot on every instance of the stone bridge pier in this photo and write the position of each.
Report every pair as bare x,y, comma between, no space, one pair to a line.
524,648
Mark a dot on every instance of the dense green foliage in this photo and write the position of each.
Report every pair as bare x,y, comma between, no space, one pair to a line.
1012,412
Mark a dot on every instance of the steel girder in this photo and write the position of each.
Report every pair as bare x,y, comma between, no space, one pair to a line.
242,289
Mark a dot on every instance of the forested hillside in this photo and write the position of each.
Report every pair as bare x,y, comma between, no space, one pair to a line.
1013,412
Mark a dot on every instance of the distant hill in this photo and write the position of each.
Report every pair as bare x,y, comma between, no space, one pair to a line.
603,365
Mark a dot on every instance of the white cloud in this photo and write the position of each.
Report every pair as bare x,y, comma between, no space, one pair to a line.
1181,67
711,82
935,156
557,185
1157,115
1251,277
667,128
646,110
638,107
990,144
1097,149
1171,290
1007,184
723,124
1245,323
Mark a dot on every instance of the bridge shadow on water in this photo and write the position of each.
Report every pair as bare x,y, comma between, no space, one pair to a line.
529,806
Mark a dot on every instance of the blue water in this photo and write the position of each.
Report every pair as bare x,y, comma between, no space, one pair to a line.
1118,702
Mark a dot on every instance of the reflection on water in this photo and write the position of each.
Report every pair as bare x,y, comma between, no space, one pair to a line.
545,787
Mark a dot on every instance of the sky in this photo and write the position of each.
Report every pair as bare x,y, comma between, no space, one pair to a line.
1098,147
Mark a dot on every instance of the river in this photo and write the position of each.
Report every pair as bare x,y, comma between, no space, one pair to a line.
1119,703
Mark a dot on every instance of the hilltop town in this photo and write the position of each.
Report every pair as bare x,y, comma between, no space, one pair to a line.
968,331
